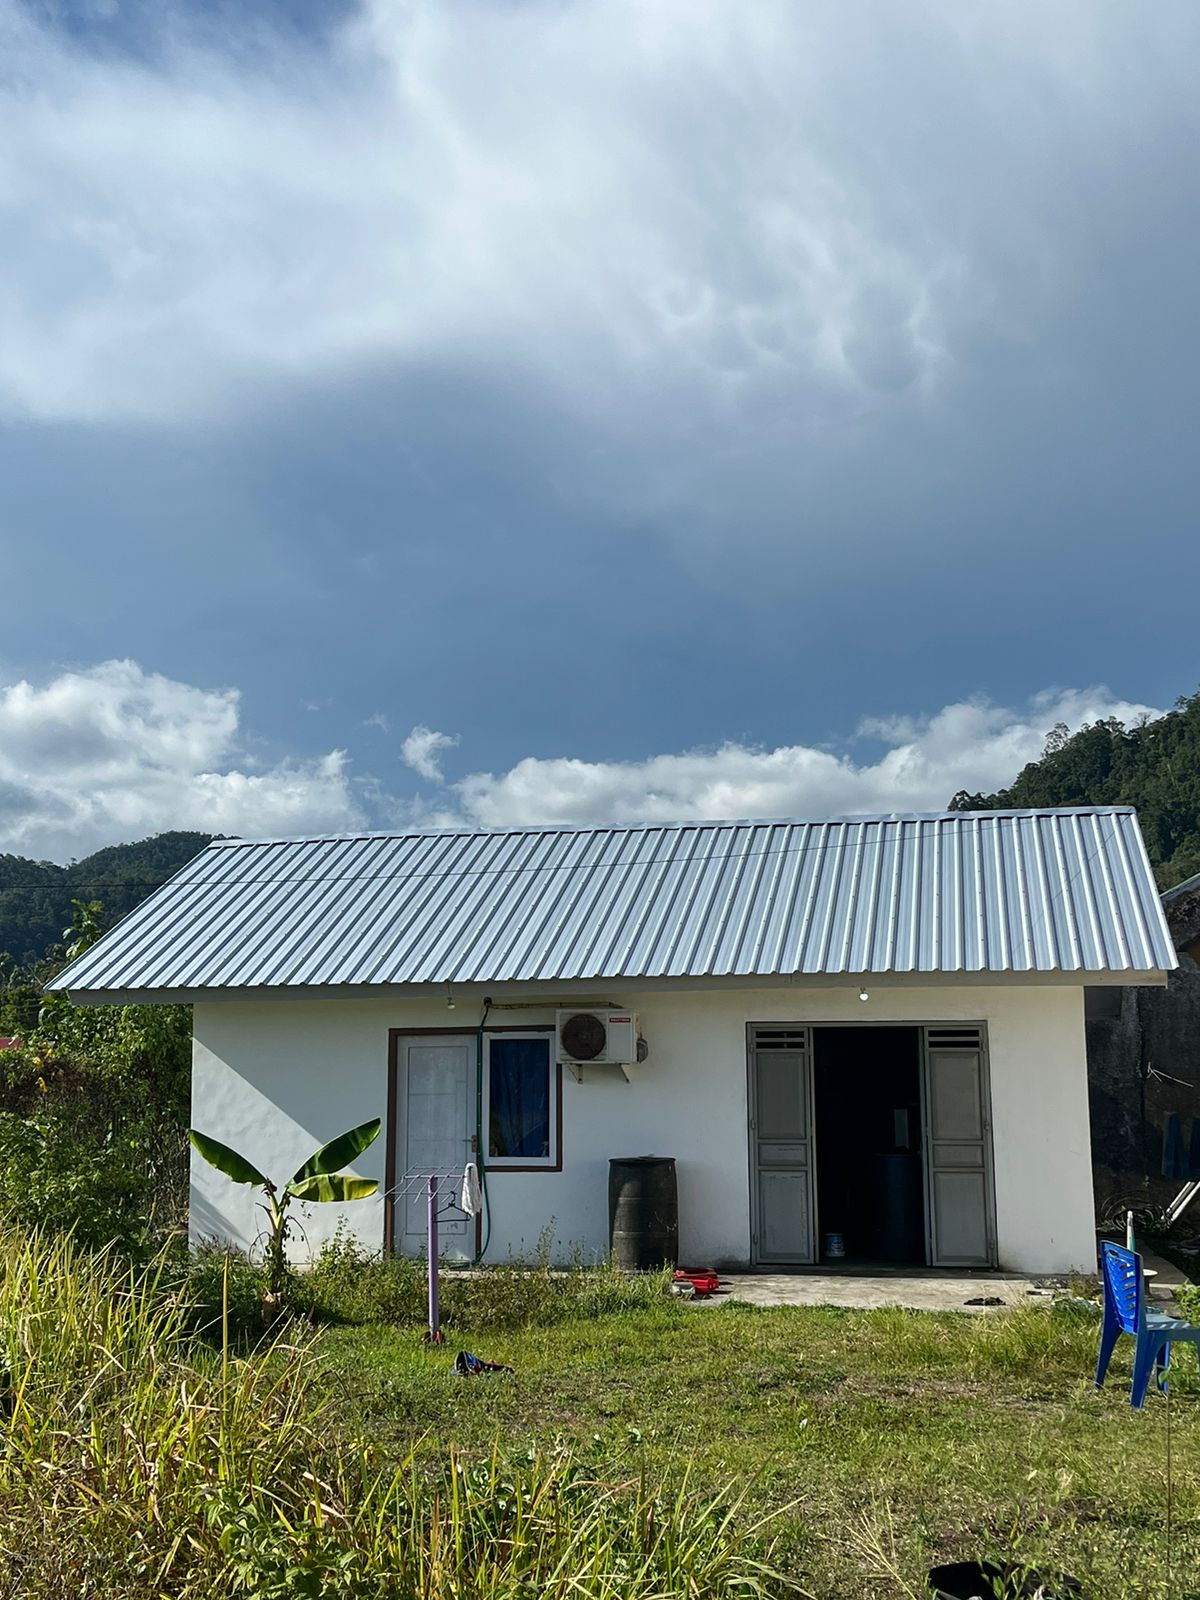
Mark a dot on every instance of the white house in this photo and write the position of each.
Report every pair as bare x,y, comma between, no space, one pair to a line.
871,1025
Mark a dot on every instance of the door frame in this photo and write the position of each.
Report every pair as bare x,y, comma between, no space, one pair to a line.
395,1036
922,1027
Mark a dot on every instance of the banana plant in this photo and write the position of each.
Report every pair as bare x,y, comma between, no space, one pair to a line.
320,1178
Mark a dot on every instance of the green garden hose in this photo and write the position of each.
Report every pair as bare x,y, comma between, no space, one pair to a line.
479,1160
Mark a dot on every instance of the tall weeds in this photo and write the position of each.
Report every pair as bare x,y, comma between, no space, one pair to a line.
140,1464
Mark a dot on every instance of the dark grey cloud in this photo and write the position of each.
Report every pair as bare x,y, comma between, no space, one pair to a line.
603,380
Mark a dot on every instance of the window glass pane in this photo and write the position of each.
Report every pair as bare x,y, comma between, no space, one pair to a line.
519,1086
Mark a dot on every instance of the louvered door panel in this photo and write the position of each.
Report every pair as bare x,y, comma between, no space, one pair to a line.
781,1141
958,1167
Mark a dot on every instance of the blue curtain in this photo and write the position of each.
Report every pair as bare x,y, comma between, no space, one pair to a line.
519,1085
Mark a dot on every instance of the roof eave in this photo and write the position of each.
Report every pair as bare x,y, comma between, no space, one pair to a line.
557,990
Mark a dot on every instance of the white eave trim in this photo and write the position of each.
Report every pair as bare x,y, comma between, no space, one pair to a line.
586,988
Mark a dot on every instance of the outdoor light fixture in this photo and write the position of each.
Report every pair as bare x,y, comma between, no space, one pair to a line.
863,995
449,1002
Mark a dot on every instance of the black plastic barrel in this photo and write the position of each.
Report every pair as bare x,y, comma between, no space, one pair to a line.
643,1212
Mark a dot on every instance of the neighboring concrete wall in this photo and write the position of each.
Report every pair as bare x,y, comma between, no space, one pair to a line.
1143,1049
275,1078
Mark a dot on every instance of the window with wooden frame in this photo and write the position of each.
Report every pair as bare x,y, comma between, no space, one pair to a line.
522,1088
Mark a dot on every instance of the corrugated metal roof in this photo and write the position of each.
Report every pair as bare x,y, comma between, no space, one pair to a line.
996,892
1180,891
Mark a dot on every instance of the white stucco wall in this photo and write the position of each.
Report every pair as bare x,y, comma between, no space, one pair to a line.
275,1078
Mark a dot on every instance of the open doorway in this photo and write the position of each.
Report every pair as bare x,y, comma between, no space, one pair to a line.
870,1173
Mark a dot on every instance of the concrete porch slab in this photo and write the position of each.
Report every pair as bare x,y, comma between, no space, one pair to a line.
1165,1278
926,1290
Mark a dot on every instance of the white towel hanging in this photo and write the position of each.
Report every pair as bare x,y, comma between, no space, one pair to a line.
472,1197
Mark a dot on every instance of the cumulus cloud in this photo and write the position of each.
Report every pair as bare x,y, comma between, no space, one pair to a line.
970,745
422,750
112,752
750,206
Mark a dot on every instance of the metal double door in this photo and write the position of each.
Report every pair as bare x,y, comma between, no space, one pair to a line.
956,1147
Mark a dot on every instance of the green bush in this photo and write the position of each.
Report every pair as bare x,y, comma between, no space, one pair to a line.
57,1175
93,1107
94,1143
347,1284
220,1289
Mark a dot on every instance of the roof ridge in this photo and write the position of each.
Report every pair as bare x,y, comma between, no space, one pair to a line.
675,825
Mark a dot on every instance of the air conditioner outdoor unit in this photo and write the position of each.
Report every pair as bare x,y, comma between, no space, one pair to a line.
588,1037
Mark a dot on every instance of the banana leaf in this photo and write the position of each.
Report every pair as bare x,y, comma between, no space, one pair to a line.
226,1160
332,1186
338,1153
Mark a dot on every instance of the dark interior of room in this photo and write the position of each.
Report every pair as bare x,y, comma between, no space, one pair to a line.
868,1134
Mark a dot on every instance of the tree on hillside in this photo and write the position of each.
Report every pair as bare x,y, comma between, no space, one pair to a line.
1154,765
36,896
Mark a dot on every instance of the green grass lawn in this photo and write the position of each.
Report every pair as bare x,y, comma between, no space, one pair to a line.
898,1439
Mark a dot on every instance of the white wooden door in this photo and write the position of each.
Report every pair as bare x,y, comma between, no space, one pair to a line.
781,1146
434,1110
958,1149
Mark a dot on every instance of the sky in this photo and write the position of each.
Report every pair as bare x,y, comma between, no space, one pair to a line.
490,412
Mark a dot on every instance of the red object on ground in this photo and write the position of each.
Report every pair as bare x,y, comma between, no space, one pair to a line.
703,1280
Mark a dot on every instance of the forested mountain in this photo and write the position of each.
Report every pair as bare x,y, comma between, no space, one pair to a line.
35,896
1154,766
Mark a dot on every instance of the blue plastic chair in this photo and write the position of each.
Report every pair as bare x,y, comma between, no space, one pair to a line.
1125,1312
